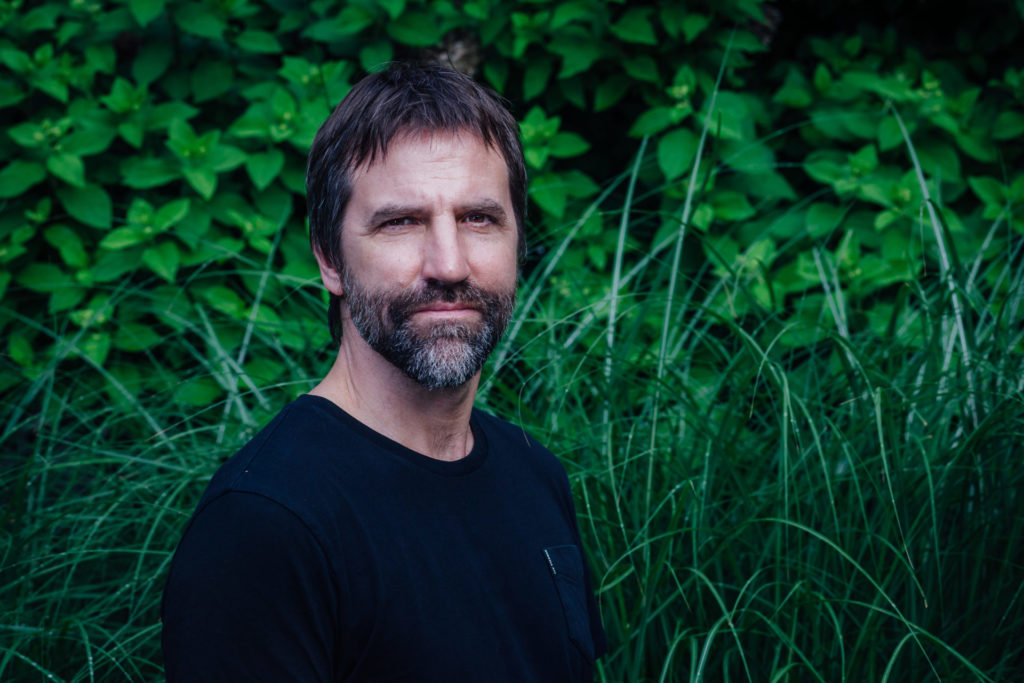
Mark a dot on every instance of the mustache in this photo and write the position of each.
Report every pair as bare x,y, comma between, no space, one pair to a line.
434,291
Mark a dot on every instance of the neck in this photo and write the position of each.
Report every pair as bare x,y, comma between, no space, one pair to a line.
434,422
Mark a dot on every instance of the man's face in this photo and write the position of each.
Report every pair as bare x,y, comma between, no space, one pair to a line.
429,245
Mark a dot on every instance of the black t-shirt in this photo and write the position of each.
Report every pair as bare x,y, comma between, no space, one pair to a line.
324,551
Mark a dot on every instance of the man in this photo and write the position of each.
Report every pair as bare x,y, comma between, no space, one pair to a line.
380,528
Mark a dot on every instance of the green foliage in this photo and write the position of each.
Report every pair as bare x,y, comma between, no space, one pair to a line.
781,356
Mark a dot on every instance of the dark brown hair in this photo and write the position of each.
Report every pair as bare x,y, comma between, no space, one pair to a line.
405,99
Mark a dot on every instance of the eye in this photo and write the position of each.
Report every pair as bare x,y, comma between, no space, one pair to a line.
398,222
478,218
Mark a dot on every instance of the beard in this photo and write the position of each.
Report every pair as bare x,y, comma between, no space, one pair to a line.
448,353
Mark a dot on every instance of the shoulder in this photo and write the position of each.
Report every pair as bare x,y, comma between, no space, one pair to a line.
511,442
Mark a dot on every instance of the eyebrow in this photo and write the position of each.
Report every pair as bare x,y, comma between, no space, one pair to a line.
389,211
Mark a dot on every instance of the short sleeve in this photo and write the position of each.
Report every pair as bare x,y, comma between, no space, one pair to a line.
250,596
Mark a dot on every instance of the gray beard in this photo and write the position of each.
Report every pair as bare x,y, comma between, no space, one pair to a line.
449,353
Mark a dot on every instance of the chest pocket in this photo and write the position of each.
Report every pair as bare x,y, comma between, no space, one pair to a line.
566,566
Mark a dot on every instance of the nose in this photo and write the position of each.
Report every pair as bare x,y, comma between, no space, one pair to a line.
444,257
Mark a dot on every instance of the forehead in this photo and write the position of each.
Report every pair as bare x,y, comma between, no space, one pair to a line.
435,164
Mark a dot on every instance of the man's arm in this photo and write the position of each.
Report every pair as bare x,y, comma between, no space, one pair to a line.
250,596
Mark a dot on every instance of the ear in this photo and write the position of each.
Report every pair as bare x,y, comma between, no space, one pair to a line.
328,275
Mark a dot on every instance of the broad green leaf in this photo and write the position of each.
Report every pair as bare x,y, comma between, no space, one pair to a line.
162,115
163,259
864,160
211,78
1009,125
125,236
18,176
550,193
95,346
225,157
261,42
579,50
568,12
41,18
198,392
566,144
68,243
171,214
394,8
375,55
642,68
988,190
89,204
27,134
823,218
65,297
146,11
19,349
535,80
264,167
826,166
67,167
416,28
795,91
199,19
610,92
635,26
655,120
203,180
142,173
225,300
43,277
694,25
152,61
731,206
134,336
676,151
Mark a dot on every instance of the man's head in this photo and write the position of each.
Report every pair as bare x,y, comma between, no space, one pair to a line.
404,102
416,189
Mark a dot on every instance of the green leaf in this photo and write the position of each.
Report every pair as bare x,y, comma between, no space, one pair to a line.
146,11
18,176
225,157
264,167
535,80
795,91
126,236
257,41
394,8
826,166
642,68
416,29
566,144
171,214
676,151
199,391
226,301
988,190
635,26
550,193
822,219
731,206
203,180
654,121
142,173
152,61
134,336
67,167
1009,125
694,25
375,55
89,204
42,277
197,19
163,259
95,347
211,78
68,243
610,92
